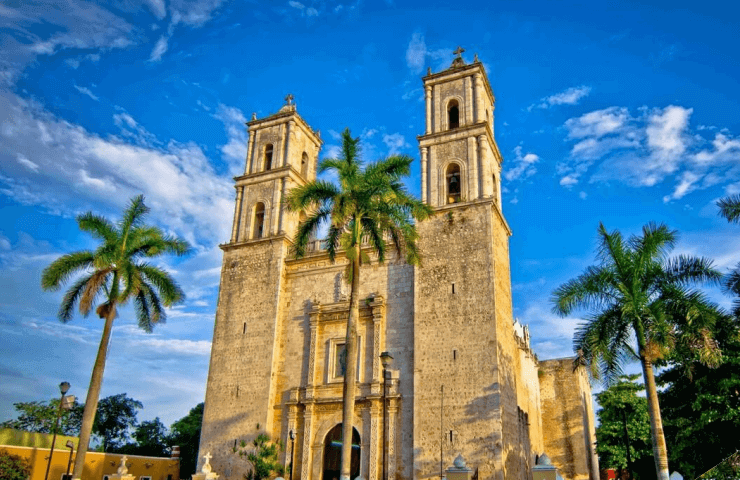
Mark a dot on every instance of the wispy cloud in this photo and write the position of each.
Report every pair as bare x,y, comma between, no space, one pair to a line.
644,150
305,11
235,150
417,53
524,165
87,91
570,96
160,48
395,143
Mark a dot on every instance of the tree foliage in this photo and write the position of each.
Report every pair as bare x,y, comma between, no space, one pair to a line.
115,417
263,457
116,273
369,208
41,416
186,434
637,292
702,411
13,467
622,408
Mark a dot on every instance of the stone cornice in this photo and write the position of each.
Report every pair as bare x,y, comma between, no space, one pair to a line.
480,201
460,133
460,72
284,117
269,175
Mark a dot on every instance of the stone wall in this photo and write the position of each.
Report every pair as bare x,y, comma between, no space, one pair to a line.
567,419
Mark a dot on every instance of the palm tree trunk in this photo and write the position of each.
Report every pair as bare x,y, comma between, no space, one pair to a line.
350,373
93,392
660,453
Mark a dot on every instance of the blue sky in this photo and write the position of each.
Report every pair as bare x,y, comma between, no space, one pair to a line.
624,113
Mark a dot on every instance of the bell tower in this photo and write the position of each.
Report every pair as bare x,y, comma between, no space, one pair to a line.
460,161
282,152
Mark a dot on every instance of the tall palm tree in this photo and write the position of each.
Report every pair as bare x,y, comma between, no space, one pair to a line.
114,274
637,295
729,207
368,206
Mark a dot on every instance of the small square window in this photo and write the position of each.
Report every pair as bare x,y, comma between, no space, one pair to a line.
145,478
337,359
66,477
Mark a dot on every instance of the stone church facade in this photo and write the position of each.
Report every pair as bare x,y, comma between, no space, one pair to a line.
464,379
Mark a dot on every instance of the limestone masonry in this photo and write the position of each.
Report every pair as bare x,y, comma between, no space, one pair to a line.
464,379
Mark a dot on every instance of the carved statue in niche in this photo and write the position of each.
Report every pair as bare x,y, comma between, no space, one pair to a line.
341,293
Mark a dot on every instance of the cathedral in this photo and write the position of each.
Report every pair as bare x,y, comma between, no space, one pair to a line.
444,370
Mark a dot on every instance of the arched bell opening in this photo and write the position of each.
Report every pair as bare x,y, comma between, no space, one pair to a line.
333,454
454,187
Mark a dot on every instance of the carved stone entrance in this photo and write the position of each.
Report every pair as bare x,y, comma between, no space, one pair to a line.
333,454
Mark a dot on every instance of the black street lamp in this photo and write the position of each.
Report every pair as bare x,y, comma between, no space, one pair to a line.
292,451
387,361
64,388
71,447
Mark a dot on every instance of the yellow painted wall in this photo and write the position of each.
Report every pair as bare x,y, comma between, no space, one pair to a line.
96,464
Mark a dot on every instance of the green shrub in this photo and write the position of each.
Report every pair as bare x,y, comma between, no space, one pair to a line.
13,467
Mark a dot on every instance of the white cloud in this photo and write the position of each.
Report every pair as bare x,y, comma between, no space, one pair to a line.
570,96
647,149
235,150
27,163
160,48
395,143
158,8
582,195
79,170
86,91
523,165
305,11
416,53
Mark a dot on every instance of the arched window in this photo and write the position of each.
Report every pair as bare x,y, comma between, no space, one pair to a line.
453,114
268,156
304,165
453,183
259,220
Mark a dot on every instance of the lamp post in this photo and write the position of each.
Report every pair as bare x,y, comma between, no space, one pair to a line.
292,451
387,361
71,447
64,388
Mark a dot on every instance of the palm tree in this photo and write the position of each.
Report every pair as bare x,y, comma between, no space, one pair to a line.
368,206
114,273
639,295
729,207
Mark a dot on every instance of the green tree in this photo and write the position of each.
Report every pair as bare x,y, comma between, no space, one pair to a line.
13,467
116,415
151,439
115,273
369,205
41,416
263,457
728,469
623,420
185,433
702,411
638,292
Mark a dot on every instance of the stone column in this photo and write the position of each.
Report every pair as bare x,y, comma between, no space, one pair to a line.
376,454
479,115
290,453
469,107
486,171
433,178
392,425
314,326
286,147
243,233
473,177
281,208
250,144
307,457
428,100
436,108
237,213
275,210
424,179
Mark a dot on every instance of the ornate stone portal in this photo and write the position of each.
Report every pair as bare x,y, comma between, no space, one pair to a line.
315,408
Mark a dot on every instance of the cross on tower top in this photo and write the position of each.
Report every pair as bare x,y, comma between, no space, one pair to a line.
289,99
459,51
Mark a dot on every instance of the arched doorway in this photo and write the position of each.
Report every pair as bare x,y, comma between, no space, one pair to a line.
333,453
